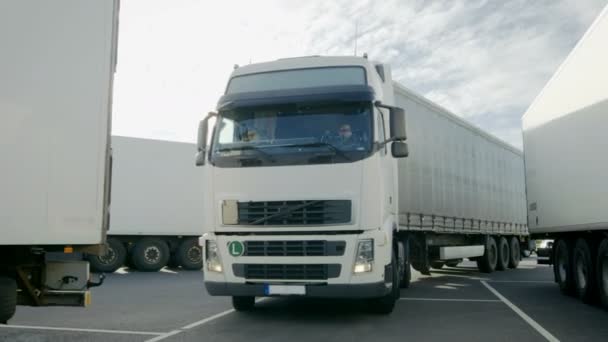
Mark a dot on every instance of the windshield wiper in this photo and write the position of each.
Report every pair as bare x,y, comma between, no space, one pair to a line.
260,151
336,150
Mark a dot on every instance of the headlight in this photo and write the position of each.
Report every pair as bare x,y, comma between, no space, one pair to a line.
214,262
364,257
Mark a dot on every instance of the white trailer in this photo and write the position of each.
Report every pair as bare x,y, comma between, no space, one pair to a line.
458,186
566,166
57,65
309,191
157,215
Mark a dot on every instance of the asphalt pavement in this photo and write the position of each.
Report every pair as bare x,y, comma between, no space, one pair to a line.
453,304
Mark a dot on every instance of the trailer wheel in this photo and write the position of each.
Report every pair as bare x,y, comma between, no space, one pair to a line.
189,255
487,262
111,261
8,298
437,264
502,246
243,303
385,305
583,270
562,266
150,254
602,272
514,252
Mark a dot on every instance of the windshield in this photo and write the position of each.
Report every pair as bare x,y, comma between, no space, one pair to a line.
293,134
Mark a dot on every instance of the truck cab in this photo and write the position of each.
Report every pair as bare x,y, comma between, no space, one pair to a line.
299,163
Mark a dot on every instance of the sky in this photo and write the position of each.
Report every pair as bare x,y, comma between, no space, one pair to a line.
484,61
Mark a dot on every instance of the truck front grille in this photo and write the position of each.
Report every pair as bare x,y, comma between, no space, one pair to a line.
294,213
287,271
295,248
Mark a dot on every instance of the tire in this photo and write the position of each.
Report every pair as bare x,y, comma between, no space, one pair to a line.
437,264
405,267
114,258
602,273
562,266
487,262
503,257
243,303
8,298
189,255
584,271
514,252
385,305
150,254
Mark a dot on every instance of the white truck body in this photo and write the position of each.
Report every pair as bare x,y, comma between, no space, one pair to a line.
295,205
57,66
157,201
565,143
156,189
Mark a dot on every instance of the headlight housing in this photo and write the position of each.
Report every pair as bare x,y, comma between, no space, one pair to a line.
212,256
364,258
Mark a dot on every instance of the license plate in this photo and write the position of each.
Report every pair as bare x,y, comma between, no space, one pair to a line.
285,290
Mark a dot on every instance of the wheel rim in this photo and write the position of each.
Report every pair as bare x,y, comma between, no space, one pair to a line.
109,257
562,264
505,253
581,271
194,254
152,254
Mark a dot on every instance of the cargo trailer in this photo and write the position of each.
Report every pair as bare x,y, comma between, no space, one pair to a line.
324,178
157,196
565,143
57,64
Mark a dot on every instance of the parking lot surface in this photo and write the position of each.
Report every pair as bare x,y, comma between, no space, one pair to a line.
453,304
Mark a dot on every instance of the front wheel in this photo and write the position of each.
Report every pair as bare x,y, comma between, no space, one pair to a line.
515,253
487,262
385,305
243,303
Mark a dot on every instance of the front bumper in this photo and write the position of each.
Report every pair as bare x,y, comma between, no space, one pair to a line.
371,290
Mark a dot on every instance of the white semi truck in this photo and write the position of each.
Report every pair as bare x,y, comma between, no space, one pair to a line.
565,145
312,189
57,65
157,200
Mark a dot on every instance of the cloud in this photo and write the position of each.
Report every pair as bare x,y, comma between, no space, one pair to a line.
483,60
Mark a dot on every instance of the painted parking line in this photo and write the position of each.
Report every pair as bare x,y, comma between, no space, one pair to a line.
196,324
103,331
547,335
521,281
452,300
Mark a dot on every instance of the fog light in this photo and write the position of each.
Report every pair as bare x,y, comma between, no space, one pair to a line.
214,262
364,258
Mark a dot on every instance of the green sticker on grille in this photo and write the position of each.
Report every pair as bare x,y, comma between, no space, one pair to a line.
236,248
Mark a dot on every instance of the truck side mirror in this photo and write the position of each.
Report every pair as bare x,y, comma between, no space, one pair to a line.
399,149
397,123
201,143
